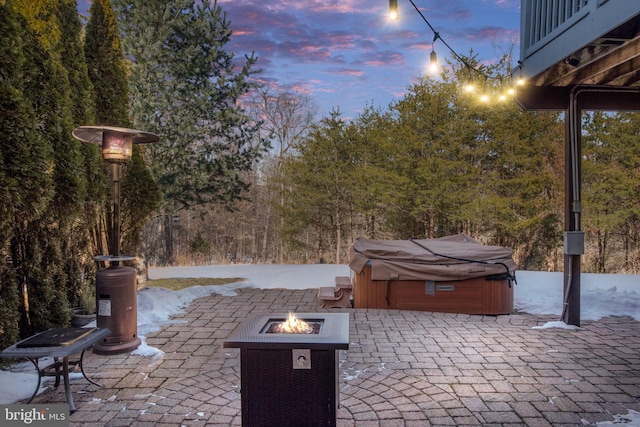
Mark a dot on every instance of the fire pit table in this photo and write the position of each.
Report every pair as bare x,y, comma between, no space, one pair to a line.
290,378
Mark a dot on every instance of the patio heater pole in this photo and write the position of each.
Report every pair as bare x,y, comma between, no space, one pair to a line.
116,171
116,299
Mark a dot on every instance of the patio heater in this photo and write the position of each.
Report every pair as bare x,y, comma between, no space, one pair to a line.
116,301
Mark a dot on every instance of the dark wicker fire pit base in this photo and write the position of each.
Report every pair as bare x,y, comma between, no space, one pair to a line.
290,379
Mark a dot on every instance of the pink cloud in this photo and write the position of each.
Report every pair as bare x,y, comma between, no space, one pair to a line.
347,72
384,58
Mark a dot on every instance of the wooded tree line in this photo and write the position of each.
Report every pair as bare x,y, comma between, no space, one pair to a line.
434,163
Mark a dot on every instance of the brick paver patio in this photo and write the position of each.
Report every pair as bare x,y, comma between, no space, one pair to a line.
403,368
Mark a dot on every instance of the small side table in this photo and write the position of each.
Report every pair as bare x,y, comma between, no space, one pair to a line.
57,343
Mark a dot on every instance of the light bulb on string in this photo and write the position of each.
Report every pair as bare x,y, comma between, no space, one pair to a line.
393,10
433,58
433,62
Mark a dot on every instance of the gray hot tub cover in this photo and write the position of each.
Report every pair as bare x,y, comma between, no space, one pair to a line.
456,257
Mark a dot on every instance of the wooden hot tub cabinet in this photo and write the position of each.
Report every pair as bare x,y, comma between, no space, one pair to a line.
490,295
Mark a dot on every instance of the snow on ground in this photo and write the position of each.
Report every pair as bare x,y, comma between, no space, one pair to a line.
536,292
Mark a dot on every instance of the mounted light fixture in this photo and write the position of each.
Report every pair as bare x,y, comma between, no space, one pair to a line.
574,62
393,9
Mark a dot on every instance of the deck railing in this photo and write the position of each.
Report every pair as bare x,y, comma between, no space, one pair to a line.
542,20
552,30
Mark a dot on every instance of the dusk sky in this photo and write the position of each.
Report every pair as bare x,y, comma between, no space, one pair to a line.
347,54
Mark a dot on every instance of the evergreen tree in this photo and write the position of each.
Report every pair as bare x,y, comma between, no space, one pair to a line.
26,185
433,161
438,163
375,184
184,87
610,185
485,170
319,189
629,236
523,178
42,245
81,247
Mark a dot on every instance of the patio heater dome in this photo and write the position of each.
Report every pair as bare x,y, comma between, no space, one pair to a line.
116,142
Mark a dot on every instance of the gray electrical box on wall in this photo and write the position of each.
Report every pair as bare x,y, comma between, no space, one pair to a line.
574,242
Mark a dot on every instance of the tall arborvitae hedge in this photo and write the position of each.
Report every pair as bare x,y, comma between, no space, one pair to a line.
44,241
82,246
23,168
45,248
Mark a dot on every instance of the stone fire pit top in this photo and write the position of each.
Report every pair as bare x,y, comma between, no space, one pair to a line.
334,333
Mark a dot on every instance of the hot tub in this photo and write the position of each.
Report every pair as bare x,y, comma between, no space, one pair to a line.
453,274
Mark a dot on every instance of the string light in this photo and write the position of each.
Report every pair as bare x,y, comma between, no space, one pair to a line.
433,62
433,59
393,9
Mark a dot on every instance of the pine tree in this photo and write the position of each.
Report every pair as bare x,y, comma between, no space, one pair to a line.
610,186
184,87
319,188
375,184
435,146
436,164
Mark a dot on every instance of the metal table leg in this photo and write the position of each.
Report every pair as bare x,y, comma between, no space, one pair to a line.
35,363
82,370
67,386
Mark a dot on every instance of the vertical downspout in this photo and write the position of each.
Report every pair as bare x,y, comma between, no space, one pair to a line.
573,208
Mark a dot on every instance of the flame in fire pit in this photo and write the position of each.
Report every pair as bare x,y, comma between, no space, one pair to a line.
293,325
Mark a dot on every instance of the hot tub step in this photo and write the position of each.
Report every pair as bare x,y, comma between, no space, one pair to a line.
334,297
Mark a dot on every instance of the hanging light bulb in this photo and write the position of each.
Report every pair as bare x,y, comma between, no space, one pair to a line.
433,62
393,9
433,58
